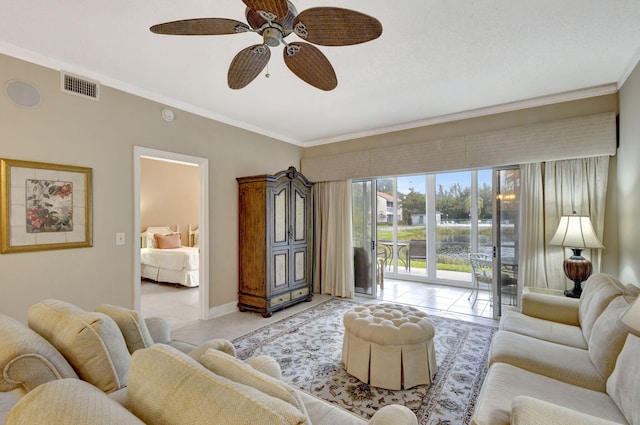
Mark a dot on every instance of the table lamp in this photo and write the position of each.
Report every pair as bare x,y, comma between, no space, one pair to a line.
576,232
631,318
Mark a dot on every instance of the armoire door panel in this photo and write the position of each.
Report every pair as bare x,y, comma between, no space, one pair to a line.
280,213
300,265
299,216
280,269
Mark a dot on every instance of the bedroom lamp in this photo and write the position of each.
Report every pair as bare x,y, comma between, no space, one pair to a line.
631,318
576,232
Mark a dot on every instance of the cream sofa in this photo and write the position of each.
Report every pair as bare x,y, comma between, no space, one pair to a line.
564,361
74,366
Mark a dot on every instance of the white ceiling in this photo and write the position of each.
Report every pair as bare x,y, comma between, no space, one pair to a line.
437,60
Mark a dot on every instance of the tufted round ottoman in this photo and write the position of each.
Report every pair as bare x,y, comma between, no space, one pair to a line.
389,345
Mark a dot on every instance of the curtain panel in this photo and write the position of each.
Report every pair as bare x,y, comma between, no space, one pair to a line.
333,260
550,190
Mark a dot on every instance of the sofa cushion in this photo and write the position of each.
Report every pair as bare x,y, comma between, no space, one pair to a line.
238,371
608,336
531,411
560,333
168,387
322,413
599,290
27,359
568,364
623,385
131,324
90,341
504,382
69,402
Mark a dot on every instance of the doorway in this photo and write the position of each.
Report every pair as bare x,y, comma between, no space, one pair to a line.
203,222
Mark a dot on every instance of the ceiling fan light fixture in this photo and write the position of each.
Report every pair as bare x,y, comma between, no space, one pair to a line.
272,36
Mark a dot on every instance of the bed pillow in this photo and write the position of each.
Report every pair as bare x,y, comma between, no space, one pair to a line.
151,241
169,241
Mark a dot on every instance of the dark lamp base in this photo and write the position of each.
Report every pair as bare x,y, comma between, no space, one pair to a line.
575,292
578,269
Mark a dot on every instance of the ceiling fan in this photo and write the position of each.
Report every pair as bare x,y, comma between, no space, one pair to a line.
276,19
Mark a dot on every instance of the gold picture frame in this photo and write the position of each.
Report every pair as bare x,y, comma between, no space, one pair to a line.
44,206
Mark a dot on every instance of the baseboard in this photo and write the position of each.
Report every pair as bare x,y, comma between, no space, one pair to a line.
221,310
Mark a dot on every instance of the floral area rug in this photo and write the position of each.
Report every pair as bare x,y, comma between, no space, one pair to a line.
308,347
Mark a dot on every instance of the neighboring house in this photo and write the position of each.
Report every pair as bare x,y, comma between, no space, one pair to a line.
385,208
421,218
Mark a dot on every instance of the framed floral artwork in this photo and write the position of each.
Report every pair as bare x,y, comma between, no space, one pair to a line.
44,206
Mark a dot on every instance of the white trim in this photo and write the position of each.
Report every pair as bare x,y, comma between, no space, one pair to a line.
221,310
203,166
475,113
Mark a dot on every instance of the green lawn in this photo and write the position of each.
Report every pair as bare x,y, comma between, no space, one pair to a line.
454,262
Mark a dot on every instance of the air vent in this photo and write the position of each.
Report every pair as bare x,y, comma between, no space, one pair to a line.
80,86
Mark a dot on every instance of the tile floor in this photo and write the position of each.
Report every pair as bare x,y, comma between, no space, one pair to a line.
179,305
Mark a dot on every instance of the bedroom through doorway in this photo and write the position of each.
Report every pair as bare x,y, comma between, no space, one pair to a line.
170,249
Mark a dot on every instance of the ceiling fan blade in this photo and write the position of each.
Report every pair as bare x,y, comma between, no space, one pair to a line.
333,26
311,65
201,26
279,8
247,64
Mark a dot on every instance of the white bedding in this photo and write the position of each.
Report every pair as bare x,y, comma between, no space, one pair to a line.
173,259
177,265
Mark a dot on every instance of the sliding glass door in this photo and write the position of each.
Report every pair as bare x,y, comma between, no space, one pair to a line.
432,222
364,241
507,212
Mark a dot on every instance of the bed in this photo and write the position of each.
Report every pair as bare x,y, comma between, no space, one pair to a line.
163,258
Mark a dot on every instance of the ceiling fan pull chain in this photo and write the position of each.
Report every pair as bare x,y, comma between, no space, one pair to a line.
301,30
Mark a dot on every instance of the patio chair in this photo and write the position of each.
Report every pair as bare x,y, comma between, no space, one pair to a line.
482,273
417,250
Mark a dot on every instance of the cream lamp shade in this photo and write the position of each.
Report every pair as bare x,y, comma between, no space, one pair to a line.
631,318
576,232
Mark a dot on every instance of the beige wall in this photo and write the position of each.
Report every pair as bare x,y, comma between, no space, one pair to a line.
169,195
628,180
67,129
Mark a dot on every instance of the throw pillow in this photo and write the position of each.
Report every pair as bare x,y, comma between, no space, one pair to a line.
167,387
169,241
91,342
623,385
131,324
238,371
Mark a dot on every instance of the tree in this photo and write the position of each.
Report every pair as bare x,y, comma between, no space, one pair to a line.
413,203
385,185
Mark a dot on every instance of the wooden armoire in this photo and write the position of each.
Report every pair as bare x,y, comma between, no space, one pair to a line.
275,241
